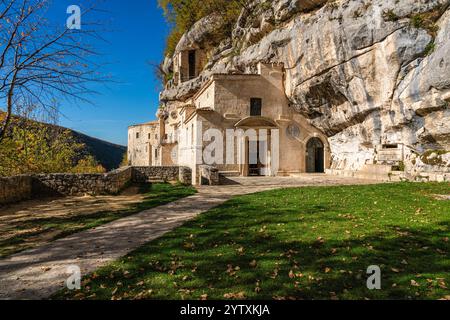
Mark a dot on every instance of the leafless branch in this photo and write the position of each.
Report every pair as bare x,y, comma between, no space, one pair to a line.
41,63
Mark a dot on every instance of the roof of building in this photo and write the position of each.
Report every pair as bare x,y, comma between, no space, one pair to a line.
151,123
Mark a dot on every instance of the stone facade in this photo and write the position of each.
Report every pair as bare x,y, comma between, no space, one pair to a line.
142,144
225,103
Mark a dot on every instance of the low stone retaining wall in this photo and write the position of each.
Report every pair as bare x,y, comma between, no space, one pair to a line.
168,174
80,184
394,176
13,189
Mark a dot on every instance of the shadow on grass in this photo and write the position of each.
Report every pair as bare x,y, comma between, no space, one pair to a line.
60,227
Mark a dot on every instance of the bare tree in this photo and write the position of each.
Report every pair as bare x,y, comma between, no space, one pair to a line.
41,63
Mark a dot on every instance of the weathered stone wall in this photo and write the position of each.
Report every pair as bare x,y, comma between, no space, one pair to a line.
185,176
14,189
171,174
80,184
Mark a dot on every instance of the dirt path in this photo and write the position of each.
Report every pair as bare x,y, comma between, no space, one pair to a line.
40,272
29,220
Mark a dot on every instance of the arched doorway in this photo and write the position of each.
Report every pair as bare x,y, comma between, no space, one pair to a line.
315,156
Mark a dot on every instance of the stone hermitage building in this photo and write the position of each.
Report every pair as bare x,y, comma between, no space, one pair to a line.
248,102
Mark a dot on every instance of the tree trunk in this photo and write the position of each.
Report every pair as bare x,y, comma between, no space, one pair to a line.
8,117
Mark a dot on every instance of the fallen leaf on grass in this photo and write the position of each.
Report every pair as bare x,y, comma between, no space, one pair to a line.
239,295
414,283
275,273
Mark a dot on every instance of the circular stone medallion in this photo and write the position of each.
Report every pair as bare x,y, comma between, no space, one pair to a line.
293,131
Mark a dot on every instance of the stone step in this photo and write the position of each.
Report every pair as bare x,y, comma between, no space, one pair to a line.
377,168
156,181
229,174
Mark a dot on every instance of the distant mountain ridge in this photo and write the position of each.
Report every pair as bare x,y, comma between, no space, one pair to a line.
108,154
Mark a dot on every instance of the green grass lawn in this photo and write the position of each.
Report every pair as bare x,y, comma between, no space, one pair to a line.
306,243
52,228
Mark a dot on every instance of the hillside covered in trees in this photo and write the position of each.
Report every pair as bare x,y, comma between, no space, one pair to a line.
35,147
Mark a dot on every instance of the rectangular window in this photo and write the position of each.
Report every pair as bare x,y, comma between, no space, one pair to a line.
156,153
149,136
255,107
137,135
192,62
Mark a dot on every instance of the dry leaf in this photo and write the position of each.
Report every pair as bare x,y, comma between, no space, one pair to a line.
239,295
414,283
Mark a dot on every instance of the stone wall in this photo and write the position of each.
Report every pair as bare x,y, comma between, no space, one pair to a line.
185,175
79,184
170,174
14,189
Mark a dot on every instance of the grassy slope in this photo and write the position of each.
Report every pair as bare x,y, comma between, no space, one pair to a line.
310,243
59,227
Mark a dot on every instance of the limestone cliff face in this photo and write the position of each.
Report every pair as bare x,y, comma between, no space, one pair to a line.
365,72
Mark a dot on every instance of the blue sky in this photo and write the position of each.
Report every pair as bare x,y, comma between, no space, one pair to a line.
137,36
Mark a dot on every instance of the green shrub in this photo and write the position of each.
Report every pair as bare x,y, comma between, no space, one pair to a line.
436,161
390,15
429,49
427,21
